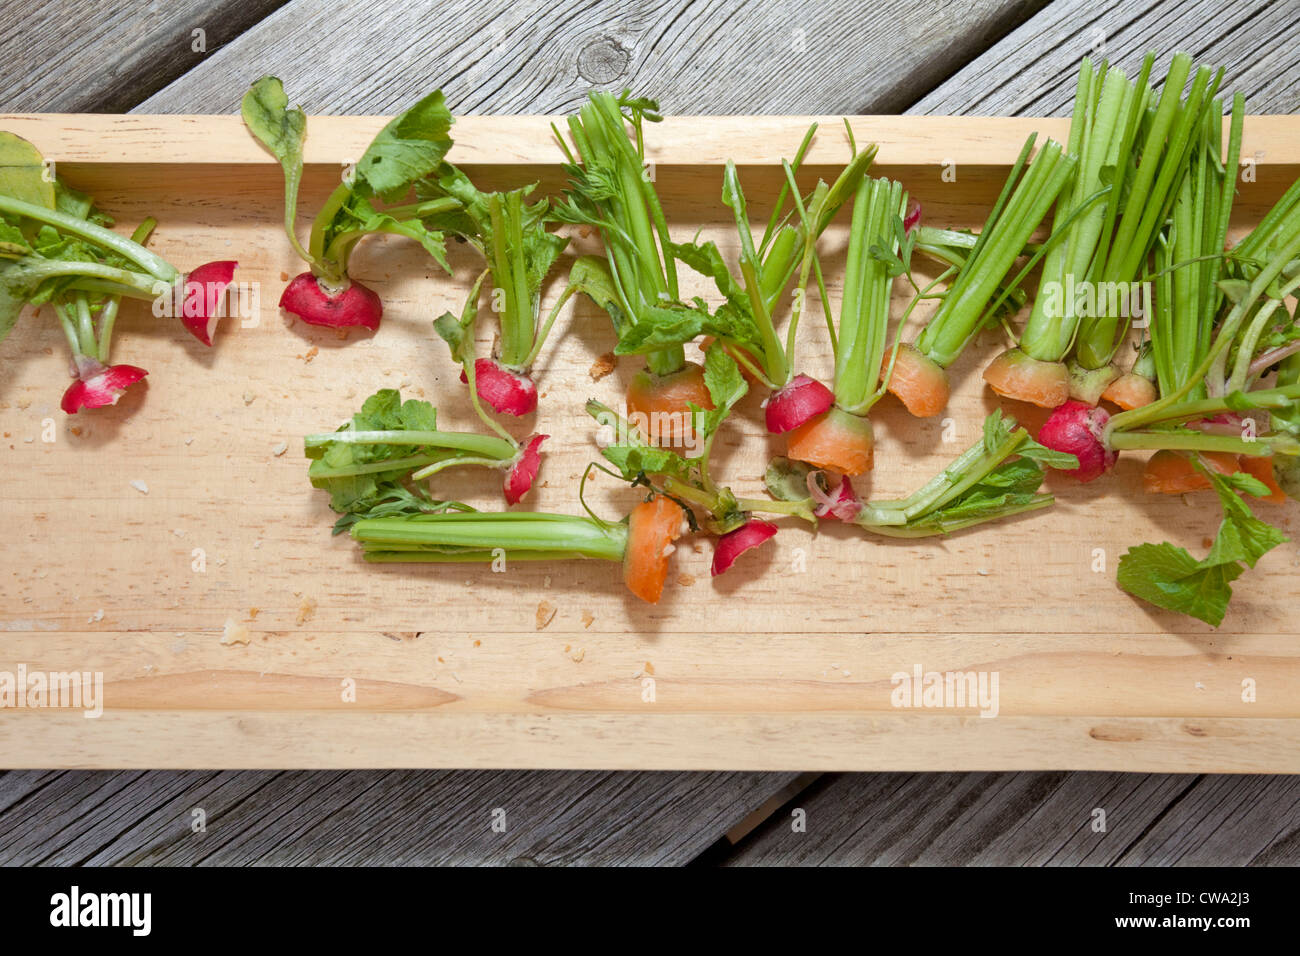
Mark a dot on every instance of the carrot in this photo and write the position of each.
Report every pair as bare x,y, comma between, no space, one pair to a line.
652,528
835,440
660,404
919,382
1014,374
1261,467
1130,391
1169,473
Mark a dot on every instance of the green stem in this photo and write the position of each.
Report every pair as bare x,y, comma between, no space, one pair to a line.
155,265
485,445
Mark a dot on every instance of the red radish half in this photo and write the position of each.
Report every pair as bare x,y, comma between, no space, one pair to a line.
305,298
735,543
796,402
97,385
506,391
204,287
1076,428
519,479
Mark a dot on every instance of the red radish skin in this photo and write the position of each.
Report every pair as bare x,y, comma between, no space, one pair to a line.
519,479
913,217
735,543
508,392
356,305
98,385
1076,428
204,287
796,402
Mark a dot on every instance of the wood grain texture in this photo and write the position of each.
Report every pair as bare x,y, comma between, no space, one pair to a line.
912,147
492,689
697,56
400,817
1033,69
89,55
1033,819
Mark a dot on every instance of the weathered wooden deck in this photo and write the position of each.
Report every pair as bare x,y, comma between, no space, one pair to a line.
819,56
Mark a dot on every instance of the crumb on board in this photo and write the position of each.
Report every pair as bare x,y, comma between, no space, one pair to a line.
279,448
96,617
306,609
235,633
310,354
587,618
545,614
603,365
578,655
649,668
253,612
284,277
140,486
249,398
685,580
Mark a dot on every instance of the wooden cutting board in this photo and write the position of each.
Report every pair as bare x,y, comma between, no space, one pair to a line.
788,662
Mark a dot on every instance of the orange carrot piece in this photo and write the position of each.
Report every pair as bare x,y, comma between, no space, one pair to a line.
1013,374
1130,391
652,528
659,405
835,440
1170,473
1261,467
919,382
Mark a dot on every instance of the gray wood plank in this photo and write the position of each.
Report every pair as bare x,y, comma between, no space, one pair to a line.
75,56
1032,70
697,56
1034,819
1226,820
392,817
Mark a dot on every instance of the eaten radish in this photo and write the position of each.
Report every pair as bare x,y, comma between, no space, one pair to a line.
1078,429
379,462
372,198
56,249
735,543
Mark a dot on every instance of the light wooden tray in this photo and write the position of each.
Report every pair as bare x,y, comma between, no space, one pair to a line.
785,663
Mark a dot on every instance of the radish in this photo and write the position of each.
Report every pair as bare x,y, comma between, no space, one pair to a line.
58,250
204,287
796,402
520,475
379,459
735,543
638,285
519,250
402,155
98,385
1078,429
508,392
306,298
